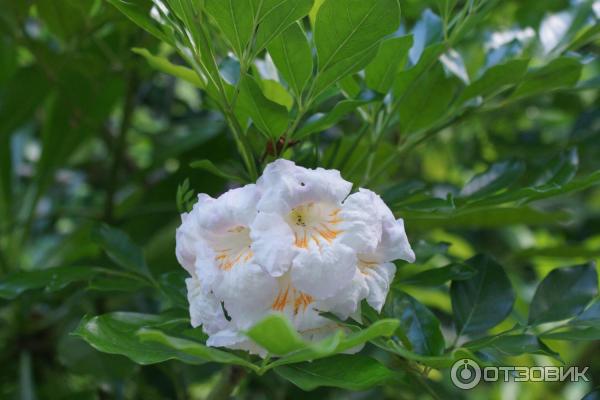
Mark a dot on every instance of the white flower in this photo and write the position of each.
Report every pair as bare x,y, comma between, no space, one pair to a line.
297,243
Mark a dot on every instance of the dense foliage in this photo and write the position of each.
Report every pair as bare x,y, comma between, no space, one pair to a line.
478,121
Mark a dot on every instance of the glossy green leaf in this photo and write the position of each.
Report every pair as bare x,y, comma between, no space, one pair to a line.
347,34
439,276
279,18
484,217
322,121
575,334
269,117
590,316
235,19
352,372
512,345
560,73
164,65
407,80
417,322
443,361
561,169
563,293
275,92
534,193
276,334
292,55
499,176
483,301
138,11
53,279
418,109
115,333
191,350
390,59
495,79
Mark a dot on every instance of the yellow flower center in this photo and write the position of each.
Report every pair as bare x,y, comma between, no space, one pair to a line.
237,248
314,222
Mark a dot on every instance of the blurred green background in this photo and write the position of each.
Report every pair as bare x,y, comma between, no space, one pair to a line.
90,133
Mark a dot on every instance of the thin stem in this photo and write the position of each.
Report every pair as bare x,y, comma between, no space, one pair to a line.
229,380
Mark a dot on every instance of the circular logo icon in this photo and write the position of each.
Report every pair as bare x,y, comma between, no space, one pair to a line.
465,374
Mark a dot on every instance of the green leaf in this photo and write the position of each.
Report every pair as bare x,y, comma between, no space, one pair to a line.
482,217
269,117
275,92
279,18
53,279
115,333
512,345
499,176
320,122
444,361
418,109
420,326
590,316
560,170
172,284
574,334
351,372
560,73
276,334
164,65
235,19
138,11
347,34
391,57
408,79
483,301
544,191
191,350
563,293
208,165
439,276
495,80
292,55
119,247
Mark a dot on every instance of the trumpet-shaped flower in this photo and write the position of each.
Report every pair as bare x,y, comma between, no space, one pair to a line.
297,243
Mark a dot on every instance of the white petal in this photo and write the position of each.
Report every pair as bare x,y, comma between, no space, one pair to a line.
285,185
236,207
272,243
205,309
206,268
322,272
362,215
346,301
378,280
394,243
186,238
247,292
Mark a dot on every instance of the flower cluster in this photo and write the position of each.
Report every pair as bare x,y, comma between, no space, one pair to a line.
296,242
